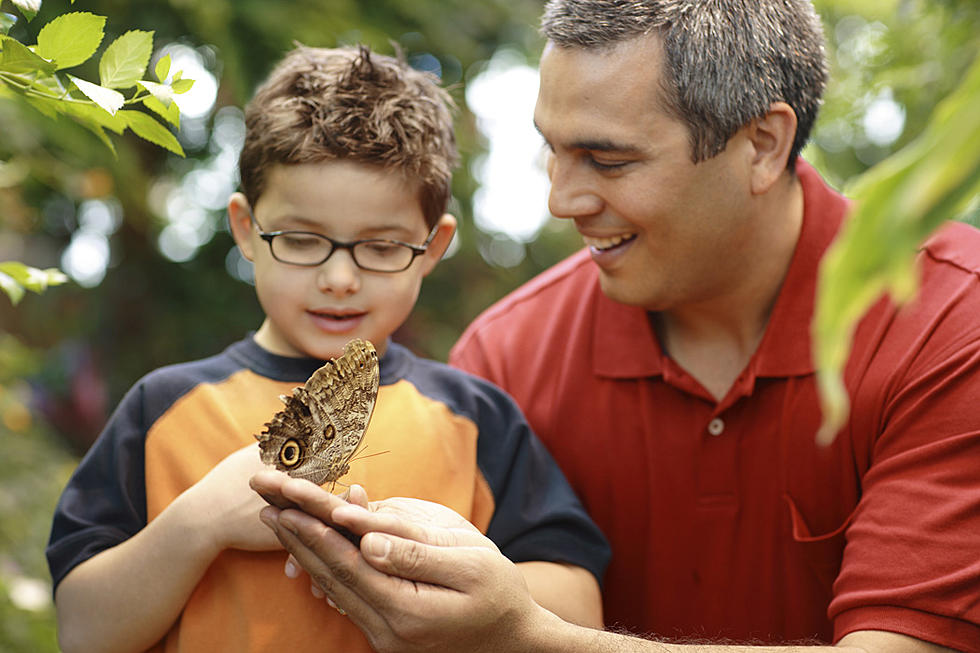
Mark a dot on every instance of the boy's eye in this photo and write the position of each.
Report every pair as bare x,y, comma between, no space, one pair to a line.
300,241
380,248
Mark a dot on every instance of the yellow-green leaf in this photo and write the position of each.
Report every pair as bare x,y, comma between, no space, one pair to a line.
899,202
71,39
148,128
182,85
106,98
169,113
6,22
15,277
162,68
124,61
161,92
28,7
17,58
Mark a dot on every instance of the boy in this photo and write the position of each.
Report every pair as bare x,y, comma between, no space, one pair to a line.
157,542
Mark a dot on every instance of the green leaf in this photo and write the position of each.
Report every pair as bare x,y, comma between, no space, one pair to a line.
16,277
162,68
71,39
898,203
106,98
124,61
28,7
182,85
13,289
161,92
146,127
6,22
87,113
169,113
17,58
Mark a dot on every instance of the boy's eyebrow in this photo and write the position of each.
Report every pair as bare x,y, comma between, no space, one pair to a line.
597,144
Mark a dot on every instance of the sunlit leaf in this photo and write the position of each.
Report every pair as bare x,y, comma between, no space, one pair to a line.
16,277
106,98
124,61
28,7
146,127
899,203
17,58
71,39
169,113
161,92
182,85
6,22
13,289
162,68
87,113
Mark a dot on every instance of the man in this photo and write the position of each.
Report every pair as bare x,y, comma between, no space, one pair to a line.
668,369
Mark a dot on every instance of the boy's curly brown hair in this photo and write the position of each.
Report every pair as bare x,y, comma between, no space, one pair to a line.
349,103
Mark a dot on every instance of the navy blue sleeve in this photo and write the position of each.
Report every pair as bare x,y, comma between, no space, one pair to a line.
104,502
537,515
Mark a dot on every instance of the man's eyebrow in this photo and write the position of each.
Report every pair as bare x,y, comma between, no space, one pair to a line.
597,144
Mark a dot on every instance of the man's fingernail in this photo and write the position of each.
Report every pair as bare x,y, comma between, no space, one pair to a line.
318,593
376,544
291,570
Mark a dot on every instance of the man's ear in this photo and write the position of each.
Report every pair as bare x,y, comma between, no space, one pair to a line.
445,228
772,137
240,223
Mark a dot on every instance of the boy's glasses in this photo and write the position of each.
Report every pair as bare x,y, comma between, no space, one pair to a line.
311,249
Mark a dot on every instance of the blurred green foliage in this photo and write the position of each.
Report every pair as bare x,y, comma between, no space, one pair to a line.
67,356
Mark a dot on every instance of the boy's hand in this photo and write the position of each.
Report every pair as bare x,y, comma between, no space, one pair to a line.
228,508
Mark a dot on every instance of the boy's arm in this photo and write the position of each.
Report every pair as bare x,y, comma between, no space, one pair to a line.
127,597
569,591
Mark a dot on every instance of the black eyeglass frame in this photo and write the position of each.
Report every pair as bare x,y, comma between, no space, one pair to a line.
417,250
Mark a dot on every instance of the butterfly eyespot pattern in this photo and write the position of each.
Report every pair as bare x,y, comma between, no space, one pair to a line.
289,455
323,422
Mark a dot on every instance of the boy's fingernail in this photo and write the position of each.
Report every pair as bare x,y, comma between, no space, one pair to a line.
291,570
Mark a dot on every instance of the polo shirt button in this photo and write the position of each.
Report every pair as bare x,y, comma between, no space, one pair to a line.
716,426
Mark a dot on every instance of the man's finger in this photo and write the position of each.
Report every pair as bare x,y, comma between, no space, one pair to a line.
360,520
452,567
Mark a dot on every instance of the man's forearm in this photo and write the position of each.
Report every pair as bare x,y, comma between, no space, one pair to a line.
551,635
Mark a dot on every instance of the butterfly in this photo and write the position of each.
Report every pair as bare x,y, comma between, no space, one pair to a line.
323,422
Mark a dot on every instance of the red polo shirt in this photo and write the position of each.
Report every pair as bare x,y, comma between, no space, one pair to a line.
726,519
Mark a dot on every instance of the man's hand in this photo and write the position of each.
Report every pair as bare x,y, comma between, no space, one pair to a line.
423,579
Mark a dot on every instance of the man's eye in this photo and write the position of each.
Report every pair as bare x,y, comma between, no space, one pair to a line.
607,166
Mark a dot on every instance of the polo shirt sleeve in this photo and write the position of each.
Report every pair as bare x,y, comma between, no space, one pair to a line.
912,558
537,515
104,502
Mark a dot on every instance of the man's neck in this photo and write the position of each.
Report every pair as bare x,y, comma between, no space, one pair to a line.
714,339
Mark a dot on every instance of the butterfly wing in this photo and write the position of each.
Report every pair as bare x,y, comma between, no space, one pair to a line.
323,422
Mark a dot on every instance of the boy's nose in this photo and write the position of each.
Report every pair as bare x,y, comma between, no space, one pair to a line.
339,275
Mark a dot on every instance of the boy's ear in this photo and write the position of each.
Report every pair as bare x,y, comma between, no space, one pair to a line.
772,138
445,228
240,223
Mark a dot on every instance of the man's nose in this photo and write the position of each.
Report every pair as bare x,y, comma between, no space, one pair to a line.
573,189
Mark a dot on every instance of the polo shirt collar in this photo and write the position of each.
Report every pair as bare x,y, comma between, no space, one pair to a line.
624,342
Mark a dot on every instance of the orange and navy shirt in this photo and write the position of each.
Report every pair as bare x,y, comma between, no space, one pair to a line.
447,437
